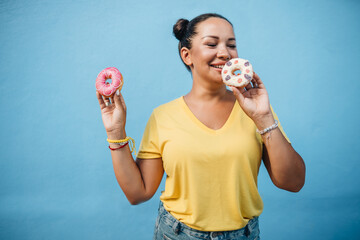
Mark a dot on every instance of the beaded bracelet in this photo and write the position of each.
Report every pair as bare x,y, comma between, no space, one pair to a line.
120,141
123,142
268,129
119,147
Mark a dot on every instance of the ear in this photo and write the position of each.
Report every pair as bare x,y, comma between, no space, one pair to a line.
186,56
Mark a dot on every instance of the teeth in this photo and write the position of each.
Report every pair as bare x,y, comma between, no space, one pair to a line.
218,66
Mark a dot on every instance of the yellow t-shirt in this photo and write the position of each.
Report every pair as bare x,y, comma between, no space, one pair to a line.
211,182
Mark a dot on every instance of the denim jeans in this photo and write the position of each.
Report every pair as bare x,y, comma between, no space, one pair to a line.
169,228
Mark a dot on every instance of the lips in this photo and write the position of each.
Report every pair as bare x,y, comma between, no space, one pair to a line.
219,66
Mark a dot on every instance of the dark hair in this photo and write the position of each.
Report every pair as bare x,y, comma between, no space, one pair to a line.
184,30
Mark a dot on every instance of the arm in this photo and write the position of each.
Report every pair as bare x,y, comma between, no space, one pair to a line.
139,180
285,166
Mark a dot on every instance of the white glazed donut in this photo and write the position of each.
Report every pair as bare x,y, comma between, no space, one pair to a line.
241,78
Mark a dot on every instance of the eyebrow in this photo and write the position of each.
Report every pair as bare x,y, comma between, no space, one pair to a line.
216,37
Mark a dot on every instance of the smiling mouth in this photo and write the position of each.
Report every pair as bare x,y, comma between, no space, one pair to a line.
217,66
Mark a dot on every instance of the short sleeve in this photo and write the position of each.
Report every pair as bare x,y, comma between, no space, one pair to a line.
149,146
280,127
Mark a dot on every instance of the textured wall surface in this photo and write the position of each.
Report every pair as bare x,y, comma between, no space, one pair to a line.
56,175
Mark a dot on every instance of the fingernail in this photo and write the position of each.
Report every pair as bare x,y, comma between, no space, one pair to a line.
118,92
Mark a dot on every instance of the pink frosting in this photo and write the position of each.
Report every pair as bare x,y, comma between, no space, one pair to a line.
107,89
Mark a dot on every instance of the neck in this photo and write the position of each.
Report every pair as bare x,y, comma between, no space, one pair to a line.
208,91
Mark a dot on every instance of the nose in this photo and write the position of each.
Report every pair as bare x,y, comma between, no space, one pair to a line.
223,53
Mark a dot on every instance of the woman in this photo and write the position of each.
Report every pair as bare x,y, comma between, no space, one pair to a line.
207,143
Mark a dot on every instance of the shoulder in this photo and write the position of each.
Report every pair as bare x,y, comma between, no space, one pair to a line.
169,107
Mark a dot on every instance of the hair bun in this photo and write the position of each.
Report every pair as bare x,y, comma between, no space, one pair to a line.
180,28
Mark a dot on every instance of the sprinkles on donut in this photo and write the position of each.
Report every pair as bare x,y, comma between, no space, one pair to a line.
105,88
231,75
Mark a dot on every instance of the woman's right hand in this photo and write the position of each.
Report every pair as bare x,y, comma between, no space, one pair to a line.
113,115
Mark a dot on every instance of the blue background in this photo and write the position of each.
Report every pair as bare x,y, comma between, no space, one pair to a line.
56,175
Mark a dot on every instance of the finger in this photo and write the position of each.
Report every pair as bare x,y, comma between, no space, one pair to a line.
248,87
122,101
238,95
254,84
117,100
107,101
258,81
241,89
101,100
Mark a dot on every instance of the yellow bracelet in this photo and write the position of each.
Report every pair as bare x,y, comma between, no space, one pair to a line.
119,141
127,139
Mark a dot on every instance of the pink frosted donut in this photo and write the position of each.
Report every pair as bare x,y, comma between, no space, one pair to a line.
105,88
237,72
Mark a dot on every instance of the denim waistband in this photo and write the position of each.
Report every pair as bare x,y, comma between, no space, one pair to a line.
178,226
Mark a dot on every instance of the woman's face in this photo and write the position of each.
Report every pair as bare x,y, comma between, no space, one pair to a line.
212,46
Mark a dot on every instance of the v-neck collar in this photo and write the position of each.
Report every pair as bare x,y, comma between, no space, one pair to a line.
202,125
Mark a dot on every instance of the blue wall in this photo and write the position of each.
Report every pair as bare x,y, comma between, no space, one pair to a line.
56,175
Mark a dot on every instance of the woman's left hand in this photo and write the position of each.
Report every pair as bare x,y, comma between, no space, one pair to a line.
254,100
